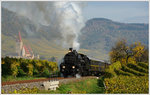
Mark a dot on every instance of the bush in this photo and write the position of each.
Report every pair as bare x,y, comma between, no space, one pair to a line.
35,71
126,84
108,75
23,67
126,69
144,65
136,67
21,72
14,69
30,69
120,72
45,73
109,72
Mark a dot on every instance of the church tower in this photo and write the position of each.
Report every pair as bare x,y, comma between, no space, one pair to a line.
19,45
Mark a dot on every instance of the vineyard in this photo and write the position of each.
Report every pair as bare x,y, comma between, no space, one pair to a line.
23,68
129,78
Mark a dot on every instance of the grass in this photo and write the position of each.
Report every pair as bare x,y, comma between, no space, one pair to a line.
88,86
12,78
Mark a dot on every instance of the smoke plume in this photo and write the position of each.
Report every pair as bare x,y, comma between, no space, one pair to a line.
65,18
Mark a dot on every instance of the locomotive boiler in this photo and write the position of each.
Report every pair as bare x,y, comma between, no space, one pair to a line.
75,63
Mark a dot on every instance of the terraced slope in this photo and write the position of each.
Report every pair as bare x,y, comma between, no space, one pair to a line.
140,69
127,79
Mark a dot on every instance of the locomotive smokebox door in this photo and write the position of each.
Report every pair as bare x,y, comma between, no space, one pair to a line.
70,49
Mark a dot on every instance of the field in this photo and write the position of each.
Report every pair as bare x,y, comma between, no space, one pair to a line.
88,86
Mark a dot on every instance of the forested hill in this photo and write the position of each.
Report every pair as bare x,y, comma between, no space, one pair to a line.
101,33
97,37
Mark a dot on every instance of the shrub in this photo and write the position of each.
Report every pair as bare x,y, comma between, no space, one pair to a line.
109,72
30,69
35,71
136,67
120,72
126,84
14,69
21,72
126,69
45,73
23,67
108,75
144,65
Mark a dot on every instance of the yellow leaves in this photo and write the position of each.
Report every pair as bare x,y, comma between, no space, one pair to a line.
3,91
132,60
51,66
38,64
23,67
121,52
3,62
138,49
123,60
125,84
30,69
15,92
14,68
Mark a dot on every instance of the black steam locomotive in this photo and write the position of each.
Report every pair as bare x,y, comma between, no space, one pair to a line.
75,63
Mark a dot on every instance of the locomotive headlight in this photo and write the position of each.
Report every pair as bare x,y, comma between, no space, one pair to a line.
63,67
73,67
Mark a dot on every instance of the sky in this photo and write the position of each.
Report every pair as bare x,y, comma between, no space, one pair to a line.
120,11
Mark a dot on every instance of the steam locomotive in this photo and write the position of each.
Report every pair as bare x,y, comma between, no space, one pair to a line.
75,63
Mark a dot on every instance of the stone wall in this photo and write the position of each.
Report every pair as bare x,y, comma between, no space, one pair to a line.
8,88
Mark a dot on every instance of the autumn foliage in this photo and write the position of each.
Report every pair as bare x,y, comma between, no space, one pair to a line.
27,67
124,53
129,70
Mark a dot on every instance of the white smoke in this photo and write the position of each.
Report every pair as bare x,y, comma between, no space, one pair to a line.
78,76
65,18
70,22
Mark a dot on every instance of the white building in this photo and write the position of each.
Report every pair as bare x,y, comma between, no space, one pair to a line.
22,50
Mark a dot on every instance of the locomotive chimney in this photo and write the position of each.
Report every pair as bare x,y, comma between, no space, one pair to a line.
70,49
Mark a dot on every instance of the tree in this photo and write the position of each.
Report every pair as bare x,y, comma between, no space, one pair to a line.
119,52
30,69
134,53
14,68
138,51
145,56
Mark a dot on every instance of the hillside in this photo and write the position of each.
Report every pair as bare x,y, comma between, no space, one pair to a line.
127,78
101,33
97,37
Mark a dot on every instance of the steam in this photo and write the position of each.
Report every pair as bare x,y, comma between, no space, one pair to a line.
65,18
70,23
78,76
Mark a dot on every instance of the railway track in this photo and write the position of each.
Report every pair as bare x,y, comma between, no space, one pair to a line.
34,80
